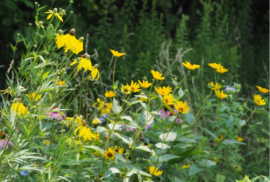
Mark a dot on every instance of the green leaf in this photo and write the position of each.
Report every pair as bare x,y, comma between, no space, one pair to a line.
146,117
29,4
100,129
46,74
134,171
208,164
124,138
13,48
242,122
171,136
6,22
180,93
220,178
95,148
229,122
189,118
167,157
162,146
115,126
187,140
209,132
126,118
115,85
110,171
144,148
120,157
116,108
230,142
194,169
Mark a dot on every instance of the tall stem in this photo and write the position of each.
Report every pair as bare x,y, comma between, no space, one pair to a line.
114,71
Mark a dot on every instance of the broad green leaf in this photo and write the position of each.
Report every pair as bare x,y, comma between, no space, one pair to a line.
144,148
162,146
115,85
171,136
209,132
126,118
120,157
134,171
189,118
193,169
208,164
180,93
167,157
141,96
115,126
116,108
146,117
242,122
100,129
110,171
229,122
230,142
220,178
95,148
187,140
124,138
46,74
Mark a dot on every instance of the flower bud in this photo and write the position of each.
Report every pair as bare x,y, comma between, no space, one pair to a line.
71,1
230,90
237,86
95,66
71,12
55,10
63,11
75,116
81,39
30,24
72,32
241,108
84,123
88,56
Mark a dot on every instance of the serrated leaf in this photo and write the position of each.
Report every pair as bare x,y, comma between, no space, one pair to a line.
171,136
162,146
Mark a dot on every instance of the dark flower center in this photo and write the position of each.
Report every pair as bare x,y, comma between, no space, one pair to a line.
2,135
109,154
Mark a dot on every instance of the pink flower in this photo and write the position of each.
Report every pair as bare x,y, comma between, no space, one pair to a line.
165,114
57,115
5,143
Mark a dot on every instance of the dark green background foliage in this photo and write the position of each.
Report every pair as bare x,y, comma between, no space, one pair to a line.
233,33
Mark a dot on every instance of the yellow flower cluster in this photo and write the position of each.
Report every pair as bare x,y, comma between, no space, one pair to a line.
218,67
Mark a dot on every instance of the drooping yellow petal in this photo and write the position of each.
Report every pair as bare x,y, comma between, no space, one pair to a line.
59,17
49,16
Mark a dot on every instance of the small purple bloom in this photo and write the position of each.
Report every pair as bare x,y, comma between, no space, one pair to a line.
57,115
23,173
147,127
102,119
164,114
5,143
131,129
45,156
230,89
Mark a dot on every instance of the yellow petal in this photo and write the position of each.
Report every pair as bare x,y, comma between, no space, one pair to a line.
49,16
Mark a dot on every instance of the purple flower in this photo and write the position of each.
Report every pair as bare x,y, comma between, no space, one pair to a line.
23,173
230,89
57,115
102,119
165,114
147,127
131,129
5,143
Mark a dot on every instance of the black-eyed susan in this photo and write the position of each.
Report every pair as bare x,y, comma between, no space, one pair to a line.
164,90
239,139
182,107
191,66
220,137
215,65
54,12
221,69
84,132
33,97
109,154
116,53
95,121
220,94
258,100
85,63
216,86
144,84
118,149
19,108
154,171
168,99
134,87
110,94
100,176
186,166
263,90
157,75
125,89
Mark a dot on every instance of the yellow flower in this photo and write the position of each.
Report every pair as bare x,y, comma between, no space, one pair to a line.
186,166
216,160
74,62
144,84
164,90
134,87
182,107
220,94
216,86
154,171
263,90
190,66
71,43
60,41
110,94
239,139
221,69
95,72
116,53
143,99
214,65
19,108
32,96
157,75
54,12
97,136
97,153
46,142
168,99
60,83
84,63
118,149
258,100
104,107
125,89
84,132
95,121
109,154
